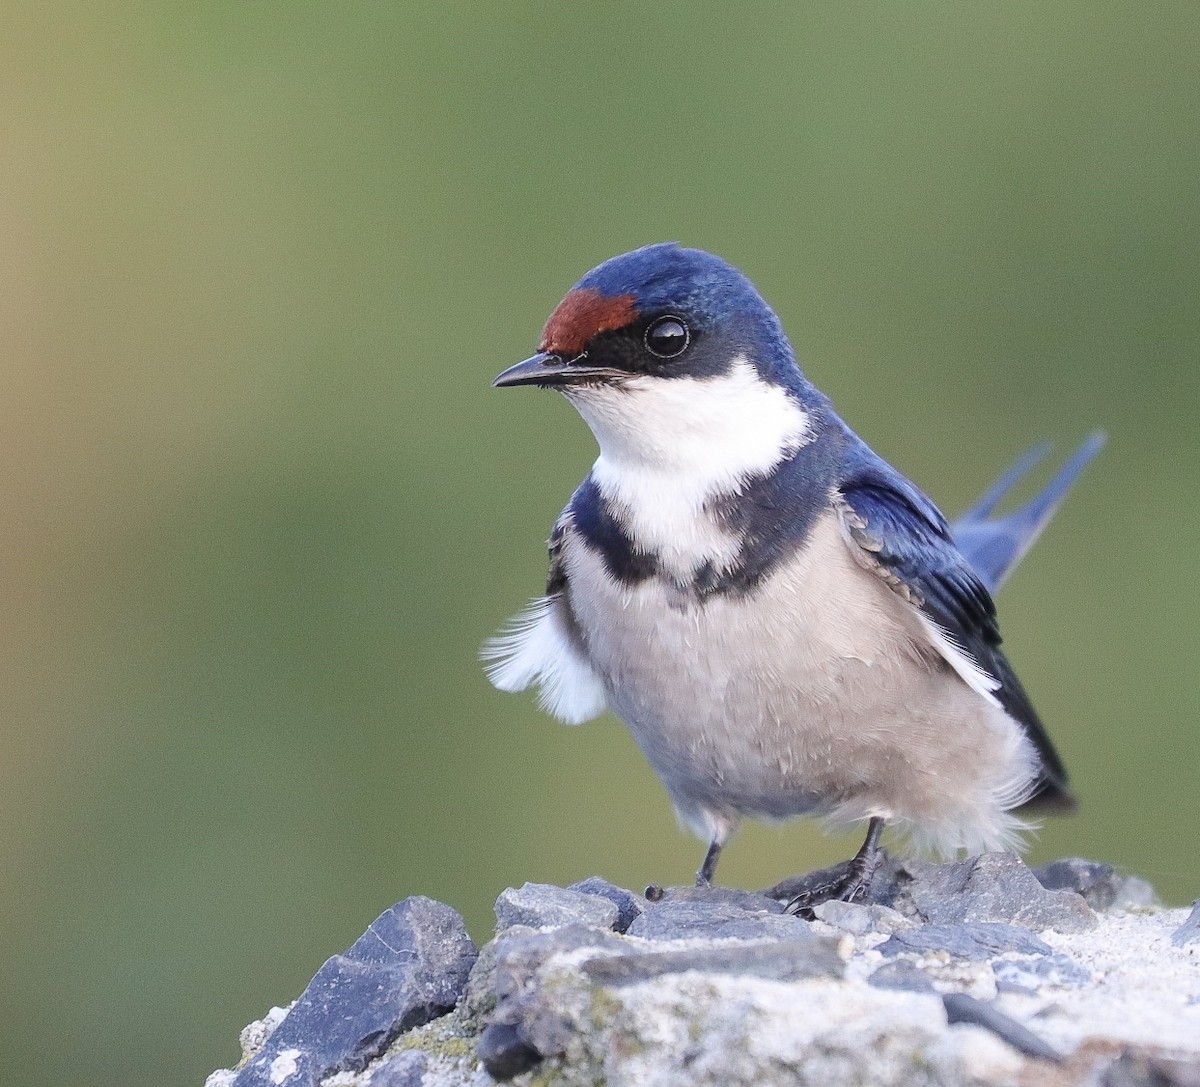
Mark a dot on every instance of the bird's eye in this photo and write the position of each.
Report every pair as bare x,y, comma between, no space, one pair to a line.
667,337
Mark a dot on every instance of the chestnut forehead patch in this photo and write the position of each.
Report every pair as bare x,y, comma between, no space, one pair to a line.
582,314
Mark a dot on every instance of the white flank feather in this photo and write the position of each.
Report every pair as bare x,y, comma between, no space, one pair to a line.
536,648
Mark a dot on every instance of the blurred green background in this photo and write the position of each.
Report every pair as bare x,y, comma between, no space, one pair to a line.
258,263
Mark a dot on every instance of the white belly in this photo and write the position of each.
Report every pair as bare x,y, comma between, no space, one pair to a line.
818,692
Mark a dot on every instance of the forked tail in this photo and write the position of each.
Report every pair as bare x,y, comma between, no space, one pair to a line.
994,546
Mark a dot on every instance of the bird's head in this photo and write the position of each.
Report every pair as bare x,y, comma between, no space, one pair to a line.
664,348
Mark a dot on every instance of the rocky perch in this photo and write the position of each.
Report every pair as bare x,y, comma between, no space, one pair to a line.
975,972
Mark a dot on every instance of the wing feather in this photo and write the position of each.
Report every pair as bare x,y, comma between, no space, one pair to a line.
899,534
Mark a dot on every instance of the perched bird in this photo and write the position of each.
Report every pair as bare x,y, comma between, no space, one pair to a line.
786,623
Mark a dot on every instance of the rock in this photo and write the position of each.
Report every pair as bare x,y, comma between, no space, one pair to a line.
531,1023
857,919
580,1004
1100,885
254,1036
519,956
971,940
479,997
1032,974
507,964
1189,931
407,968
628,904
901,974
505,1053
716,913
992,887
540,905
961,1008
535,1017
548,992
406,1069
685,920
782,960
732,897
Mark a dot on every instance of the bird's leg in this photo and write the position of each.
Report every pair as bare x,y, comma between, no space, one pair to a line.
863,863
708,869
850,881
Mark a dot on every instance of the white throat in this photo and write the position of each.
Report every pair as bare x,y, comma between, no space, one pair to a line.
669,445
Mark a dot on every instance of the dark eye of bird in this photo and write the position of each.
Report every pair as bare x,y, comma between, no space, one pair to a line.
667,337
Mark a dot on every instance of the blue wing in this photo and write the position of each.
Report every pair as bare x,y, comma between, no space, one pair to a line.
904,535
994,546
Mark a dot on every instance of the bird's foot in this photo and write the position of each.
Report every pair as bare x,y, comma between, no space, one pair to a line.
846,882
